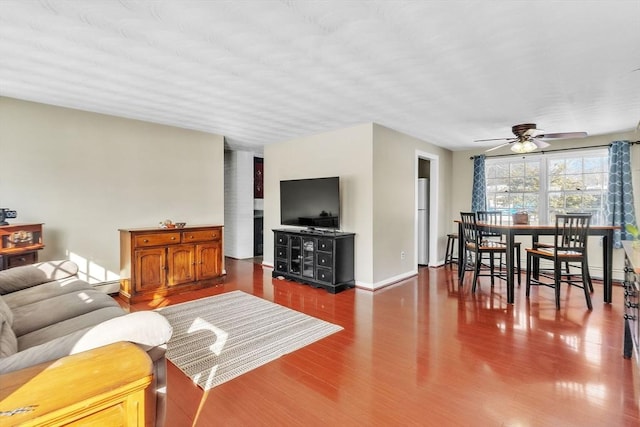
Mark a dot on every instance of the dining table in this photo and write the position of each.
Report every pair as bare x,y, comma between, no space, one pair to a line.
509,231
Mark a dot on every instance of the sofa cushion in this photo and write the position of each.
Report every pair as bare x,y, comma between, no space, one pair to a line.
8,341
45,352
40,314
68,326
16,278
5,311
45,291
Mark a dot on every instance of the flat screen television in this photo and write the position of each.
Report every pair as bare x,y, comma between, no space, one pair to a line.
311,203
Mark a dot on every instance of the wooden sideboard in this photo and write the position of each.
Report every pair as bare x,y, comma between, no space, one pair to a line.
19,244
156,262
106,386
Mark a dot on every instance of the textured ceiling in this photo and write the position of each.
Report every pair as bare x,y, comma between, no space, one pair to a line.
262,71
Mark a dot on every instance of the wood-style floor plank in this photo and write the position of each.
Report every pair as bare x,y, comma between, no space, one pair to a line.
425,352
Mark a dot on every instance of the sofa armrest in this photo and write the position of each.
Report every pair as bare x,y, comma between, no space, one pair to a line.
147,329
26,276
92,384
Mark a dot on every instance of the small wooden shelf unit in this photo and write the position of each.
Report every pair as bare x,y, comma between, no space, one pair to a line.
156,262
19,244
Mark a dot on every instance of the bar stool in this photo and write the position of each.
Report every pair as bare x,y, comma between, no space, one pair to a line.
451,244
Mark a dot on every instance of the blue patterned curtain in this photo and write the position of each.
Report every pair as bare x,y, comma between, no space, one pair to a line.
479,192
620,209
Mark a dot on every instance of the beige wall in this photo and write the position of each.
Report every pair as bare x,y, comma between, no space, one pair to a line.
345,153
395,173
377,167
462,178
86,175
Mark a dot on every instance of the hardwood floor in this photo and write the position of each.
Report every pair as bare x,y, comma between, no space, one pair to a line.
425,352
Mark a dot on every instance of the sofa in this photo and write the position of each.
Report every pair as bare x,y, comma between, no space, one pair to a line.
47,314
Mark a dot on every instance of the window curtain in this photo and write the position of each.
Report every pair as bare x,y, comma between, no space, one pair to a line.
620,210
479,192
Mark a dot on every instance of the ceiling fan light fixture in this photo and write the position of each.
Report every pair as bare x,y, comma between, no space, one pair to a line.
522,147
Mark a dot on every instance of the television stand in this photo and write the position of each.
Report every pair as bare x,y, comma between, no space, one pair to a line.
322,260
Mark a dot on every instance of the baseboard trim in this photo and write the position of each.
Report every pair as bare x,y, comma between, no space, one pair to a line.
386,283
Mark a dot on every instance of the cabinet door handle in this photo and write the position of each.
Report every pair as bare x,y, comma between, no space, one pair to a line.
145,241
173,238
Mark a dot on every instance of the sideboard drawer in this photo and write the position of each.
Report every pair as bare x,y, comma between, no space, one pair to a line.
201,235
144,240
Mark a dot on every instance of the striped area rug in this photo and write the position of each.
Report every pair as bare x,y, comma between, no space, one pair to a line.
218,338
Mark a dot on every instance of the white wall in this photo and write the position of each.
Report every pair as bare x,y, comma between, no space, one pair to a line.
462,179
238,204
86,175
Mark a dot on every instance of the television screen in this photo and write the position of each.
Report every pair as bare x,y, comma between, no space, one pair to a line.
312,203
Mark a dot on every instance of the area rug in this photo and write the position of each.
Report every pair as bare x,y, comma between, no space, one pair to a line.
218,338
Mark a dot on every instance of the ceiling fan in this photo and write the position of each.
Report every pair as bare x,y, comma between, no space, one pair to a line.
528,138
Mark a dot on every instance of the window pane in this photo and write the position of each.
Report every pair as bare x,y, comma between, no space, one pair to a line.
517,169
594,164
501,170
573,166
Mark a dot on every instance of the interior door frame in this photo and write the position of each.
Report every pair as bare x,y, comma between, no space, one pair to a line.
434,208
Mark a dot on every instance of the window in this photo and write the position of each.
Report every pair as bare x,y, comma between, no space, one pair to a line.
548,184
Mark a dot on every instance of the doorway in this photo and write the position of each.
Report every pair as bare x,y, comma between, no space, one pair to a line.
426,168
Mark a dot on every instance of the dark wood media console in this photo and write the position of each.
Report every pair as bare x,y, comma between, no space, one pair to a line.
317,258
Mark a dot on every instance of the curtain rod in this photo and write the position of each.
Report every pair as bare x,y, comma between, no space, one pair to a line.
552,151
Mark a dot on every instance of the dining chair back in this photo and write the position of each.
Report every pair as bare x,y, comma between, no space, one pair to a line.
491,218
570,246
495,218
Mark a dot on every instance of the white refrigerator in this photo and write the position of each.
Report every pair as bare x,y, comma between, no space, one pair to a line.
423,221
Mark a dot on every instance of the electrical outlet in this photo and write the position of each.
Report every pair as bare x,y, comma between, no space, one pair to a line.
402,254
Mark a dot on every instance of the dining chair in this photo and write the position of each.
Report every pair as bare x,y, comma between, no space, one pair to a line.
476,246
495,218
570,246
536,265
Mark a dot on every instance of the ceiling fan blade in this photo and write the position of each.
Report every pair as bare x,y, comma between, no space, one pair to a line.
562,135
499,146
539,143
492,139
